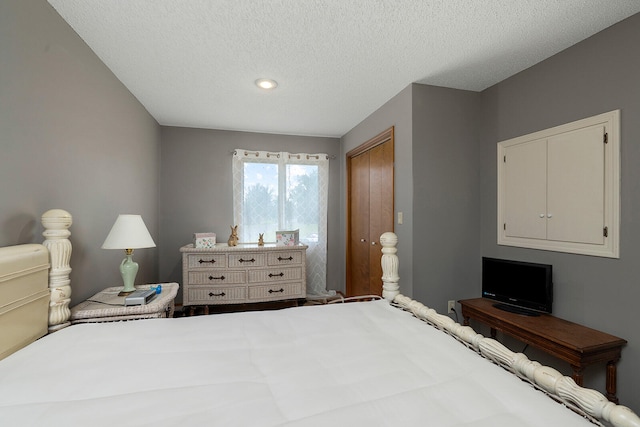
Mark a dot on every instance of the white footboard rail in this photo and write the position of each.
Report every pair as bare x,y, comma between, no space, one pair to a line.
588,402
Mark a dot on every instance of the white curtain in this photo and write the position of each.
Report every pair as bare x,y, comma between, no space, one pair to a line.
284,191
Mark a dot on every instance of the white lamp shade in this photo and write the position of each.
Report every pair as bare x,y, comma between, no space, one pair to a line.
128,232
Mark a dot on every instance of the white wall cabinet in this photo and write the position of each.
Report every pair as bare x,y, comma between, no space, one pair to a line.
559,189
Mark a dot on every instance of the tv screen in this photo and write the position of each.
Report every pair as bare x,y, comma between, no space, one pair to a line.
516,283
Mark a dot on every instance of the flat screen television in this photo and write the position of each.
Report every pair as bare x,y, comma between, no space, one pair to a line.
522,287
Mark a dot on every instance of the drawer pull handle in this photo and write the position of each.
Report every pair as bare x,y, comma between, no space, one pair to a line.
210,262
216,278
221,294
247,260
271,291
275,275
285,259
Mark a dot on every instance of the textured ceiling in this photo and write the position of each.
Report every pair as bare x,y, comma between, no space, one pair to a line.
193,63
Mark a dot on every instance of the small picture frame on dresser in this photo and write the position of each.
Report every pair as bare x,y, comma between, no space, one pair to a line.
287,238
204,240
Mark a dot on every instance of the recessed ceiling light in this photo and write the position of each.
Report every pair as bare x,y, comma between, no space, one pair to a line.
266,84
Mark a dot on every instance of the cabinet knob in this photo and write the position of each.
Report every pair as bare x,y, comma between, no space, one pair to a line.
541,215
362,240
373,243
549,215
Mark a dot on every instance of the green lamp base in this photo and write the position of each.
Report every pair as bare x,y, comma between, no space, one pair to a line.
129,270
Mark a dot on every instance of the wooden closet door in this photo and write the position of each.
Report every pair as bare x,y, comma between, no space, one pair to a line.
380,208
359,226
370,212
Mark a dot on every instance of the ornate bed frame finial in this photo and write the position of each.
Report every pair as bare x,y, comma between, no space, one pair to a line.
56,223
390,278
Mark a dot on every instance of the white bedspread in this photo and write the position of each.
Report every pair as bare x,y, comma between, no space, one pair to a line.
357,364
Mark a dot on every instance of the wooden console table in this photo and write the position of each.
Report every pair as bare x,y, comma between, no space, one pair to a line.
573,343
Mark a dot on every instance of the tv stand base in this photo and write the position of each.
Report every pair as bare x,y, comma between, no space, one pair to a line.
516,310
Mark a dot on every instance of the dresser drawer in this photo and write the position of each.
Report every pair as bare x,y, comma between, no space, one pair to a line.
284,258
286,274
245,260
216,294
207,260
276,291
214,277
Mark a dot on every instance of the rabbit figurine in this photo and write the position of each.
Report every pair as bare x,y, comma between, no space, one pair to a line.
233,238
261,239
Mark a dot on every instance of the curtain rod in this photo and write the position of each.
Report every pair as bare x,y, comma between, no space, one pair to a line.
308,156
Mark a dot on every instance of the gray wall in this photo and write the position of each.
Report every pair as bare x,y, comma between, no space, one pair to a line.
595,76
436,187
71,137
196,189
446,196
395,112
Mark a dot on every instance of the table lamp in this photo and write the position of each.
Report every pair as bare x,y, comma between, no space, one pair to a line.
128,233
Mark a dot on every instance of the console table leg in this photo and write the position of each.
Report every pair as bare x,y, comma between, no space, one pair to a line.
465,321
611,381
493,333
577,374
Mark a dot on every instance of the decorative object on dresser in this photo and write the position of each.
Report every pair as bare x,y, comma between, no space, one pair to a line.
261,239
128,233
108,306
233,238
288,238
243,274
204,240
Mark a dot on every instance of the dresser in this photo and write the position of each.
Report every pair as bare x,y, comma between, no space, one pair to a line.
245,273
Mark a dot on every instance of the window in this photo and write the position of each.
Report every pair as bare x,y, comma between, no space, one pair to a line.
283,191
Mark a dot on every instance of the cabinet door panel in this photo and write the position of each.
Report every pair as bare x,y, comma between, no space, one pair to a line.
582,186
525,190
576,187
359,219
381,208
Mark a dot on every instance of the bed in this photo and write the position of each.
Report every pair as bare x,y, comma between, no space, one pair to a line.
386,362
